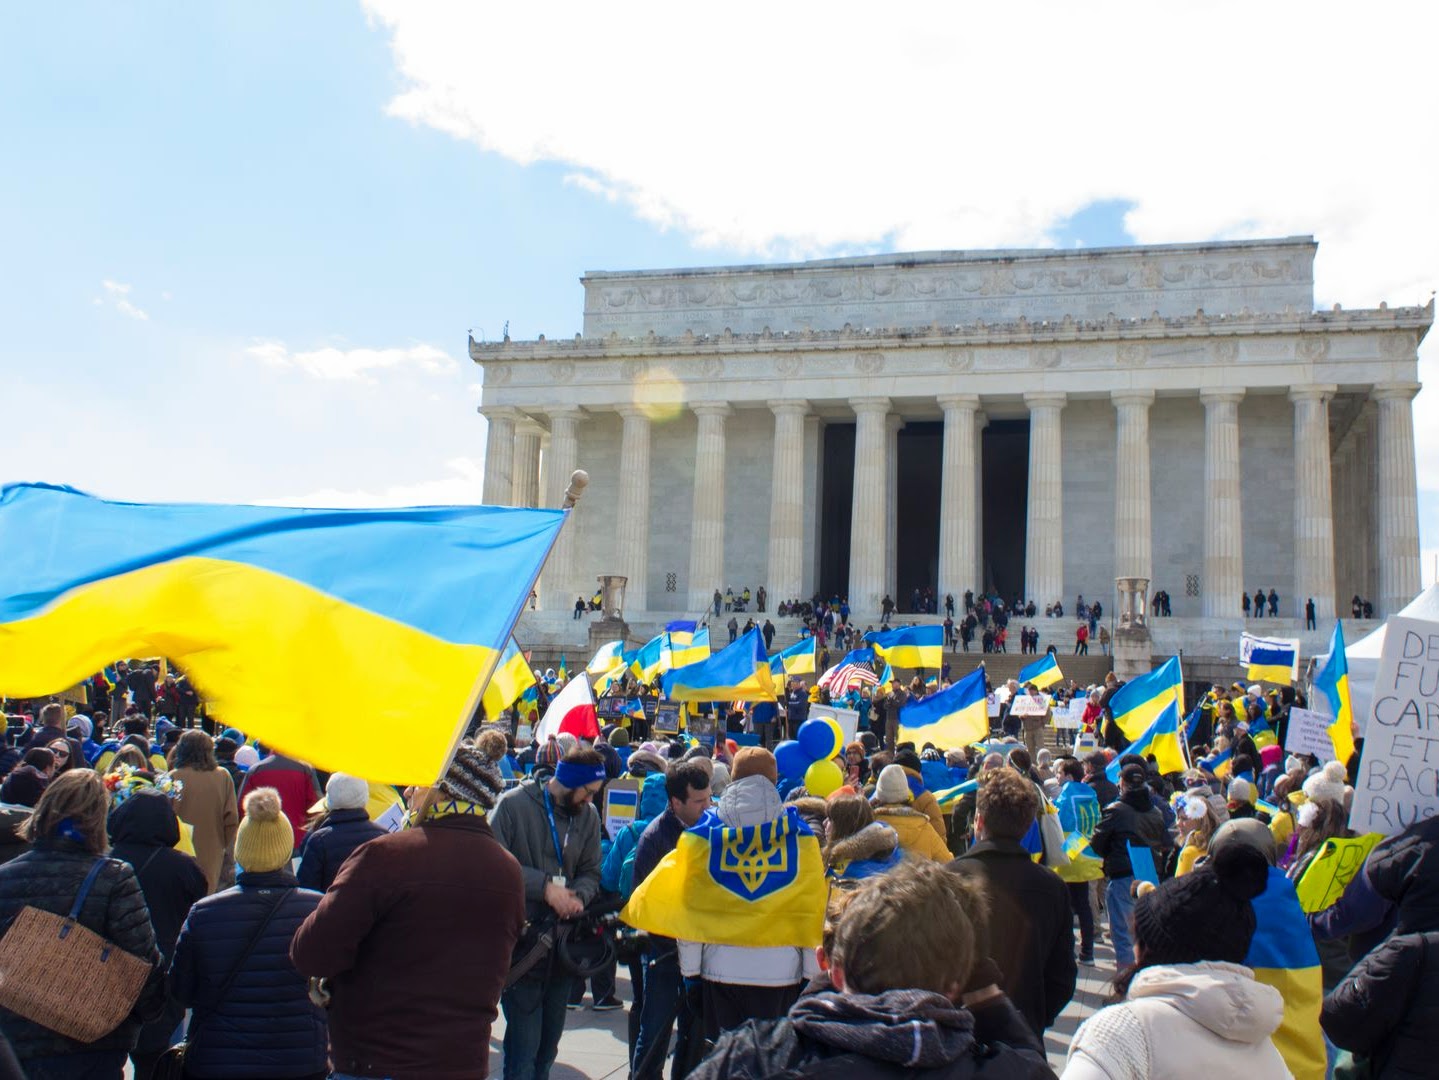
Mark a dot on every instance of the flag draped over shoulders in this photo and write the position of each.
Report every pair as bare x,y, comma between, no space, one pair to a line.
322,633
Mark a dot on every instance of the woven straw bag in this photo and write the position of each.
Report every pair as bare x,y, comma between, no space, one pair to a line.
55,972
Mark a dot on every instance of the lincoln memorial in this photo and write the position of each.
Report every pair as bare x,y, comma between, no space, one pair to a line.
1037,423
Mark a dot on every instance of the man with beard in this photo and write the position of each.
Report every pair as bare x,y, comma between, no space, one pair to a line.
552,828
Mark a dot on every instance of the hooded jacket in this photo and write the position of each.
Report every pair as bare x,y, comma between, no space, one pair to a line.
653,802
752,800
1132,819
1212,1015
896,1033
873,850
521,823
916,835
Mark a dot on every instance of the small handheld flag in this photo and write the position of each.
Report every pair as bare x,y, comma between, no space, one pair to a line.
1333,682
1043,673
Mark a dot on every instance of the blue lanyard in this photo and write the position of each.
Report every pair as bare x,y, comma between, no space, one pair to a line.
554,832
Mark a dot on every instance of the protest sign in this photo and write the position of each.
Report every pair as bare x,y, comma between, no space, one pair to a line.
1399,772
665,717
392,819
1025,705
1309,734
847,719
622,803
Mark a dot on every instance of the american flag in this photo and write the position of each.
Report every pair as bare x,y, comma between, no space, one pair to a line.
843,675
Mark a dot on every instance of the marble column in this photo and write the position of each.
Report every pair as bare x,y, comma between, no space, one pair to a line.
526,490
707,520
814,503
868,527
632,530
891,509
499,456
786,528
1313,504
1223,580
1044,523
1133,539
560,583
958,498
1397,504
979,585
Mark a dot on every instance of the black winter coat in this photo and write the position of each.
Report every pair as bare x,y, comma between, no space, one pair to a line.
49,877
1405,871
1133,819
144,830
266,1026
327,847
1387,1008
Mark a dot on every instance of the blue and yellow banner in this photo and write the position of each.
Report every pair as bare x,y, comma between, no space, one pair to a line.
759,886
910,646
1271,660
1333,682
652,660
798,659
688,647
1138,703
1043,673
1283,955
949,719
322,633
607,657
738,673
511,678
1162,740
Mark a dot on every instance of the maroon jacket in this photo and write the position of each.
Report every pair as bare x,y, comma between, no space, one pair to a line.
415,936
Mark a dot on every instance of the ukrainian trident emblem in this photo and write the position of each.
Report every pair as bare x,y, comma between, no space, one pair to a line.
755,861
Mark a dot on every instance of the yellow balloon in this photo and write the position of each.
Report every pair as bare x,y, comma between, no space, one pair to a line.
833,724
823,778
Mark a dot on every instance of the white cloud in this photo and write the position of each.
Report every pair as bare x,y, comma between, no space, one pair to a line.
461,484
118,294
335,363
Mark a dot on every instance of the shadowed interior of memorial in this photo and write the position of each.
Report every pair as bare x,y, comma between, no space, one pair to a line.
917,540
836,509
1004,497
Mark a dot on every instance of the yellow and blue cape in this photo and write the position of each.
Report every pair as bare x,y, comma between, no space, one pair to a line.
356,640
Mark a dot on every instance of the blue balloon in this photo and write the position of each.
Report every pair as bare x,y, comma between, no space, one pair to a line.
817,740
791,759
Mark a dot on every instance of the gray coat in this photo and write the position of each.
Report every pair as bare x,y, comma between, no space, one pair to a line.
521,825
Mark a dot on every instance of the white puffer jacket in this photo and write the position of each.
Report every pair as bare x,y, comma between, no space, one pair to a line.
750,801
1183,1022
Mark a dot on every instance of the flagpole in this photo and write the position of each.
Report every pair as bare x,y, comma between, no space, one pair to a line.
423,798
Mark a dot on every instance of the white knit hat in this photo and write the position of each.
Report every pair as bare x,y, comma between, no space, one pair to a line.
345,792
1327,783
892,787
1241,790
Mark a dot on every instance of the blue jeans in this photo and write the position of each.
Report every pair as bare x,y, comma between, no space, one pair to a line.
534,1011
1121,912
664,988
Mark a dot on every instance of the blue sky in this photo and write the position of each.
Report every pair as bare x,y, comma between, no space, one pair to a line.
245,242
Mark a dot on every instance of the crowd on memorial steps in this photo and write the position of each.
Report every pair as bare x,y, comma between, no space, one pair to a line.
297,924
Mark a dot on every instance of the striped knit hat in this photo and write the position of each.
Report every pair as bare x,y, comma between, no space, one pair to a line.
471,778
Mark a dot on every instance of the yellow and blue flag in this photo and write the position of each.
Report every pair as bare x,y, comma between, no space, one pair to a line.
738,673
949,719
1138,703
798,659
909,646
607,657
1333,682
1162,740
949,796
1271,660
511,678
688,647
760,886
1283,955
1219,764
319,632
1043,673
652,660
563,673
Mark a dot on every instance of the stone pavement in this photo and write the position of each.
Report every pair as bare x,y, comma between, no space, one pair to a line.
594,1043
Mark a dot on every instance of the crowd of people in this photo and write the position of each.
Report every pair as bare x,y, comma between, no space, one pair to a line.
966,887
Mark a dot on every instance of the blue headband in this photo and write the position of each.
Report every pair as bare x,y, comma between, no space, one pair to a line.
573,775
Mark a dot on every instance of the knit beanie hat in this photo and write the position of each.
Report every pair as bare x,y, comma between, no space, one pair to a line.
265,842
548,756
720,780
247,757
619,737
754,760
892,787
1327,783
1241,790
472,778
643,763
83,724
1205,915
567,743
1245,832
345,792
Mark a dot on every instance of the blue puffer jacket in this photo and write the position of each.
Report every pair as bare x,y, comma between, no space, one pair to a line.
267,1025
327,847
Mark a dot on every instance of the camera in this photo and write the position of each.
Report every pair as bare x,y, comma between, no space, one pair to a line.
590,943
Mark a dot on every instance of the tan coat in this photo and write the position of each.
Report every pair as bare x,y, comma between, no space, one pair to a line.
916,835
927,804
207,803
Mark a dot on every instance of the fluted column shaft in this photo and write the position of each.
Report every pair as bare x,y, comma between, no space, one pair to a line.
868,527
526,490
786,528
632,532
707,520
1397,508
1044,528
1133,543
958,497
1224,507
499,457
558,584
1313,502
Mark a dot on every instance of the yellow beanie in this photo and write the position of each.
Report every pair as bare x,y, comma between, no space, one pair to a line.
265,841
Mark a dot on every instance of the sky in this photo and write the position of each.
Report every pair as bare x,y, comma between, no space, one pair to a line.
244,243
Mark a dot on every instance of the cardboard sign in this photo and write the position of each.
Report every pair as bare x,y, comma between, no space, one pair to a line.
1024,705
392,819
1399,772
1308,734
1324,880
847,719
622,804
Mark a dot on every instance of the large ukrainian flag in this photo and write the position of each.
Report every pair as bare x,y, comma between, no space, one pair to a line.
652,660
737,673
1162,740
949,719
1283,955
1138,703
798,659
688,647
1043,673
910,646
512,678
759,886
356,640
1333,682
